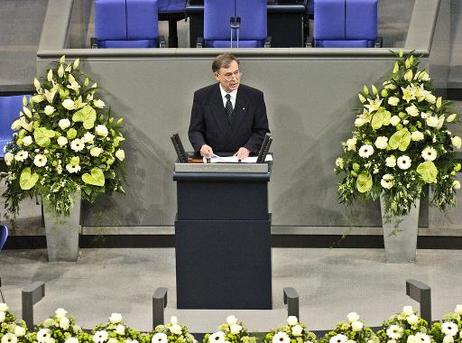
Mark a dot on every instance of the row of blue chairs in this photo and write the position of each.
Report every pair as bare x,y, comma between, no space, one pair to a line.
233,23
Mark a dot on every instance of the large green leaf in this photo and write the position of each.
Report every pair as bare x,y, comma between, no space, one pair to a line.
27,180
96,178
364,182
42,136
400,140
86,115
427,171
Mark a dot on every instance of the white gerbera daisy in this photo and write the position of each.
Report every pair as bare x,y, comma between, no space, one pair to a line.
77,145
9,338
422,338
429,154
73,168
159,337
404,162
281,337
21,156
395,331
40,160
388,181
449,328
43,335
366,150
100,336
218,337
339,339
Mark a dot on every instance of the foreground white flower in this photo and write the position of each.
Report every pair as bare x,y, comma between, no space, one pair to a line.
100,336
395,331
16,125
9,157
88,138
77,145
175,329
99,103
381,142
43,335
417,136
352,317
429,154
422,338
292,320
95,151
159,337
62,141
174,319
19,331
235,328
281,337
412,110
390,161
339,339
404,162
393,101
456,142
49,110
27,140
448,339
120,154
9,338
40,160
449,328
64,323
339,162
68,104
351,144
366,150
456,186
2,316
101,130
412,319
120,329
21,156
388,181
297,330
218,337
394,120
73,168
357,326
64,123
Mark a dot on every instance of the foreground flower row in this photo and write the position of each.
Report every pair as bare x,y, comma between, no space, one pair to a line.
404,327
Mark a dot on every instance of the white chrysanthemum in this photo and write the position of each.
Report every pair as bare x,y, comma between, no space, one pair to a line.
297,330
404,162
159,337
49,110
281,337
64,323
101,130
100,336
27,140
448,339
64,123
390,161
9,157
9,338
95,151
62,141
72,340
77,145
235,328
99,103
381,142
351,144
388,181
40,160
395,331
339,162
429,154
456,186
68,104
174,320
393,101
413,111
456,142
352,317
120,154
357,326
394,120
366,150
73,168
19,331
120,329
417,136
292,320
449,328
218,337
412,319
21,156
43,335
176,329
339,339
88,138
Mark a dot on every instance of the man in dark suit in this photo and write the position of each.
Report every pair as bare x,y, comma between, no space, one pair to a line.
228,117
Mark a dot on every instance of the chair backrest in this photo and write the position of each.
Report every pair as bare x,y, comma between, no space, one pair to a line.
10,106
345,23
3,235
171,6
253,25
126,23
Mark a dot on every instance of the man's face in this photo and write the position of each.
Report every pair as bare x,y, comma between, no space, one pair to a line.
230,77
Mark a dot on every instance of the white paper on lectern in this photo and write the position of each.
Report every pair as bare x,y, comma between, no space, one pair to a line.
233,159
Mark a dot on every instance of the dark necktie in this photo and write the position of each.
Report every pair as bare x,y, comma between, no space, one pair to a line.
229,106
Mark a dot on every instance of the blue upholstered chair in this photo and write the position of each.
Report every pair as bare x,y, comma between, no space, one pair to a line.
345,23
10,106
3,238
217,28
126,24
172,11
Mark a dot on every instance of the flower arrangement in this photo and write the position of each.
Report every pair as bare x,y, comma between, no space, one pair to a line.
169,332
351,331
233,331
11,331
401,143
292,332
405,327
115,331
60,328
449,329
64,141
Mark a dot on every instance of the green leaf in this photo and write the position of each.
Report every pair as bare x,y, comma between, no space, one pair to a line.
42,136
27,180
400,140
380,119
427,171
96,178
364,182
86,115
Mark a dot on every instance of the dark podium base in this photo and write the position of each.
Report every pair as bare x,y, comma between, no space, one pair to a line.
223,264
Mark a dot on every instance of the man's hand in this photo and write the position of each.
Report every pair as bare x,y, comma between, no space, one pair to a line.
206,151
242,153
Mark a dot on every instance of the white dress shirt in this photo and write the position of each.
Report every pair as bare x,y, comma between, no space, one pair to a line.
233,97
